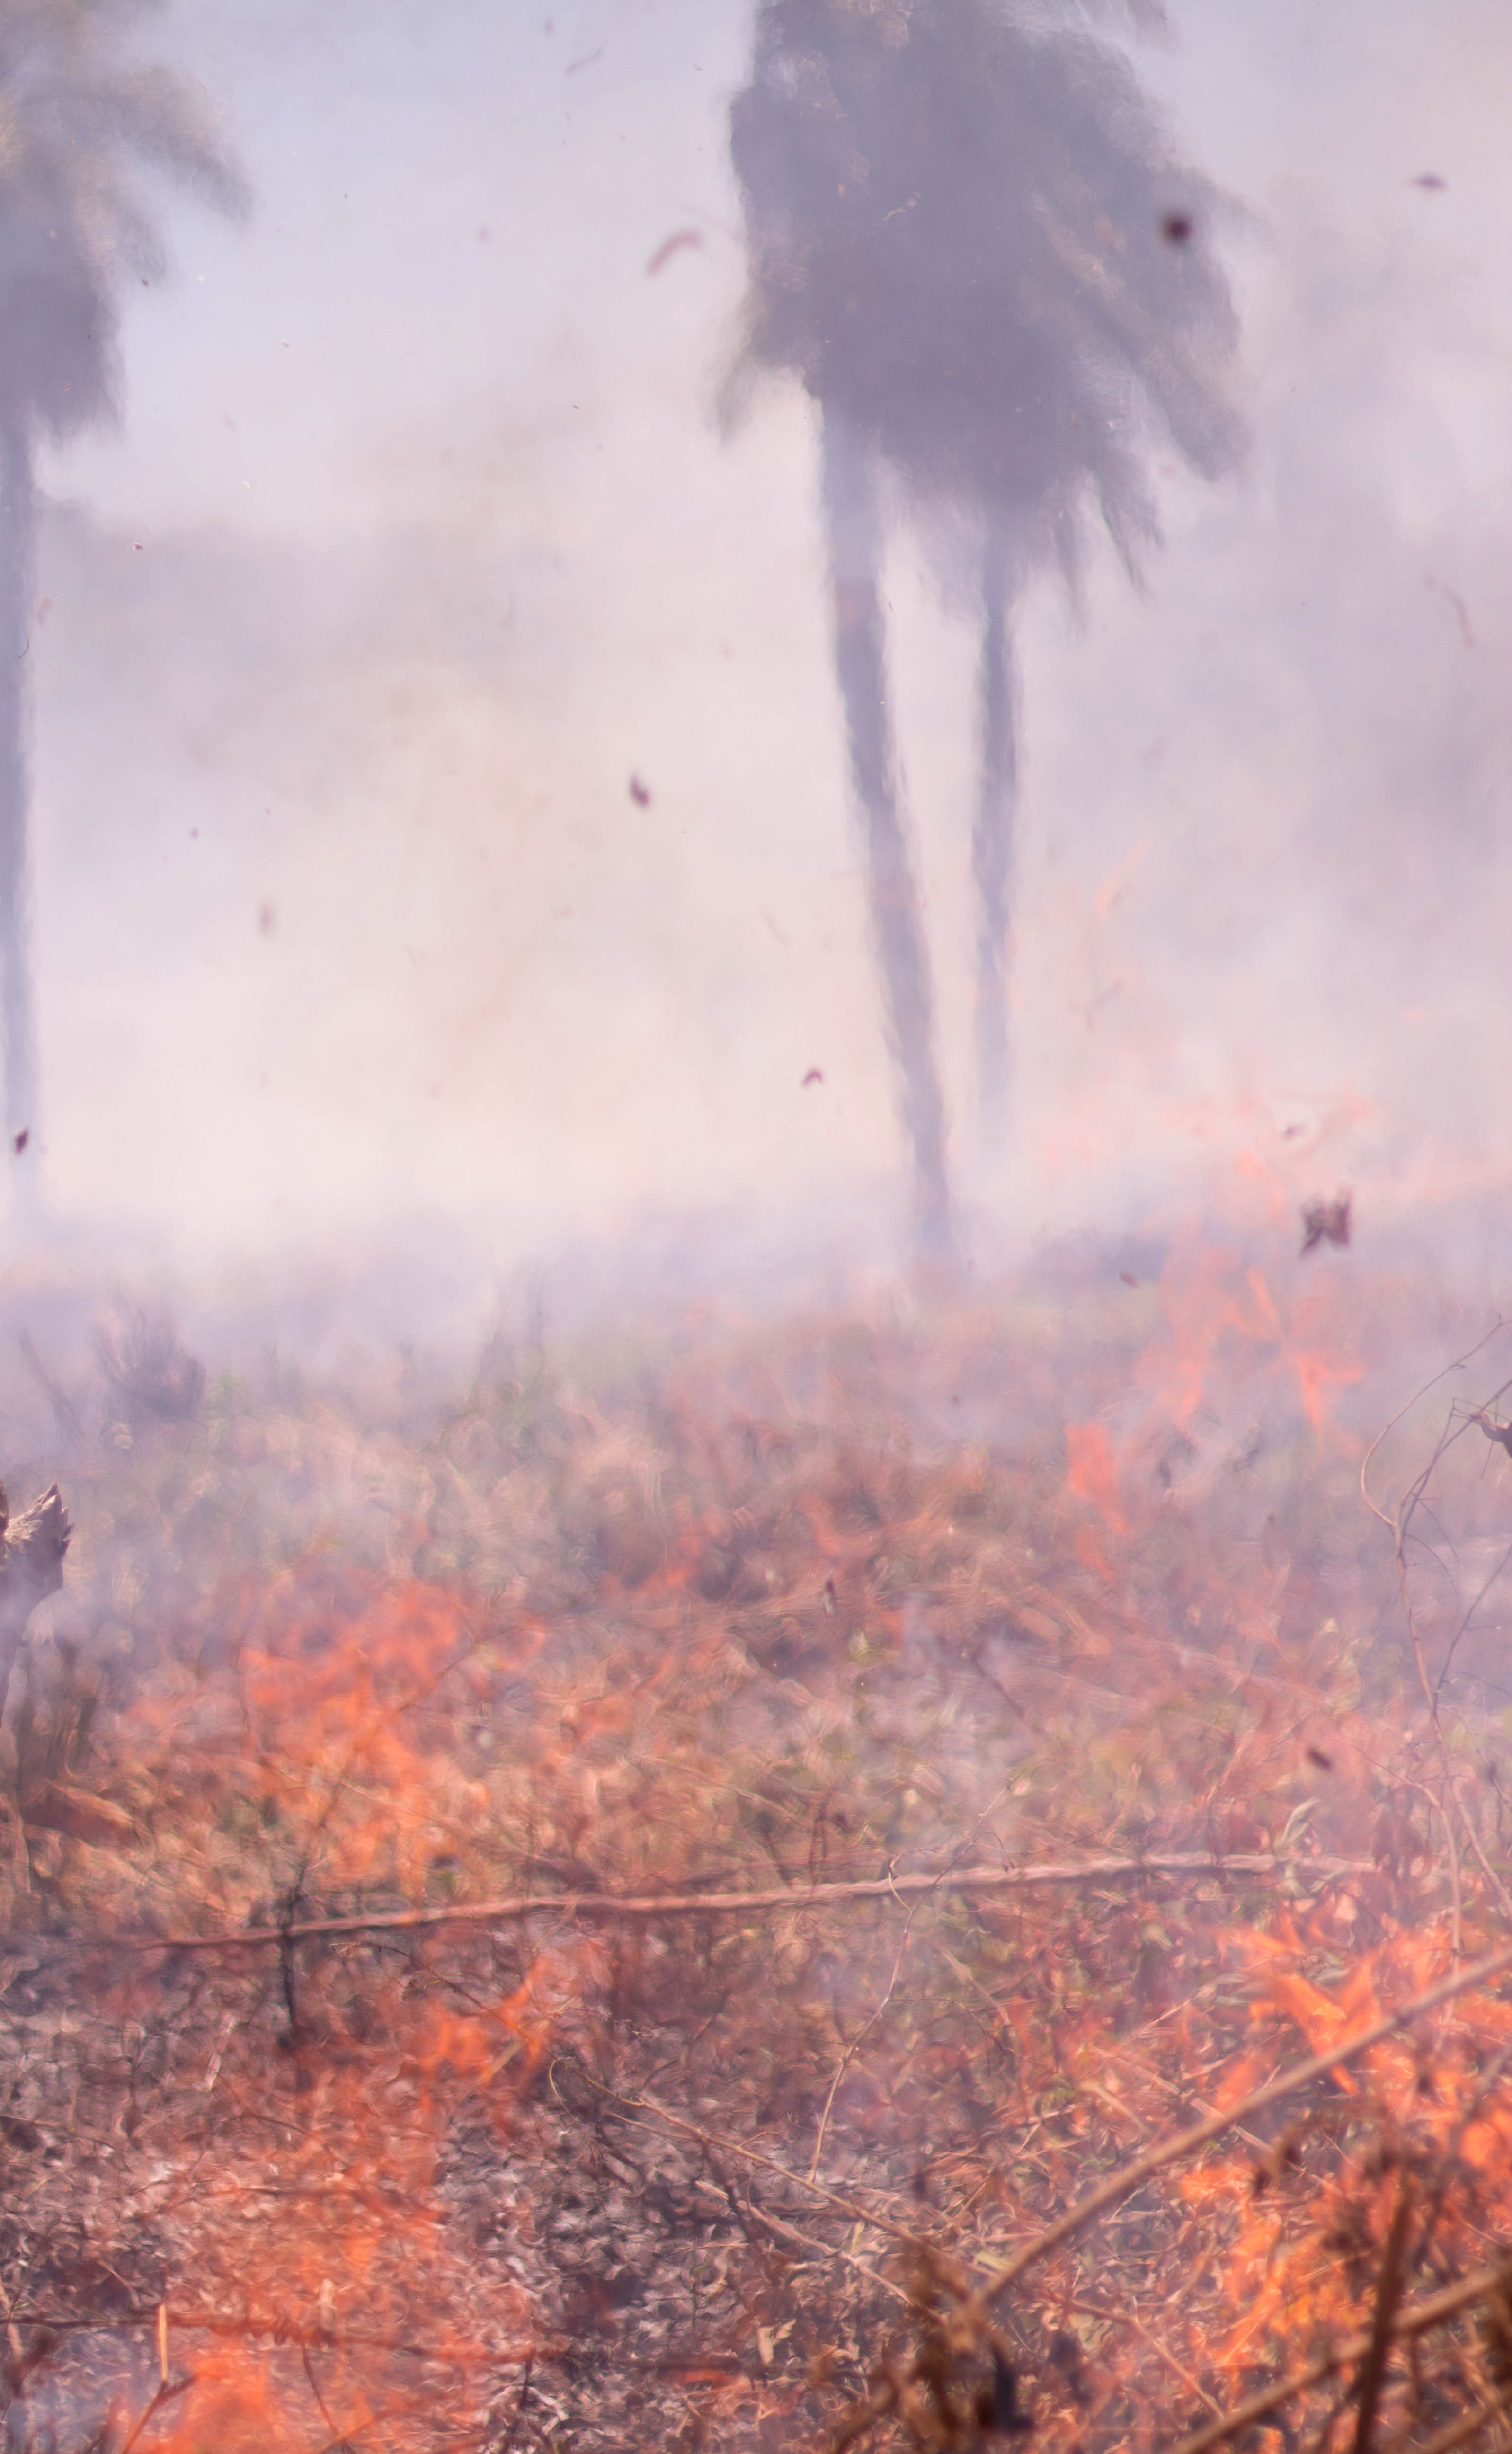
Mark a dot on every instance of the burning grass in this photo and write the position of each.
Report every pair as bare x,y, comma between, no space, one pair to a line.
306,2146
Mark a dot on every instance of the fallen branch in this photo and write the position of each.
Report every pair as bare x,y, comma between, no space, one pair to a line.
680,1904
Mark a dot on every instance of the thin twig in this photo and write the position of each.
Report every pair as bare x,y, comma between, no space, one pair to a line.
848,2056
320,2399
1436,1806
1402,1413
909,2238
508,2438
822,2249
1162,2351
1388,2293
1467,1615
1430,1699
150,2412
1400,1527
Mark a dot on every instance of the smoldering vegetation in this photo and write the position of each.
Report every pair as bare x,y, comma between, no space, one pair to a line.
1072,1574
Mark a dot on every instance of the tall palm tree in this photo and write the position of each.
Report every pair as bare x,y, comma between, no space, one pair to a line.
81,122
970,241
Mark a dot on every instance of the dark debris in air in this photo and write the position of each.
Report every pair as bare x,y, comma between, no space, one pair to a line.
671,247
1326,1222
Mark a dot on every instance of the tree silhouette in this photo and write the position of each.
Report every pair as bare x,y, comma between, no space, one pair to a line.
971,242
81,122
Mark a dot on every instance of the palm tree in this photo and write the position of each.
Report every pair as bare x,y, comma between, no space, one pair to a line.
80,122
970,241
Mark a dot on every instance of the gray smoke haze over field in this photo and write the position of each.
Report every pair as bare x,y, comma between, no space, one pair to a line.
418,544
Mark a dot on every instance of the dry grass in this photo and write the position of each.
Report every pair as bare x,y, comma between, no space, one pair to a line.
760,1614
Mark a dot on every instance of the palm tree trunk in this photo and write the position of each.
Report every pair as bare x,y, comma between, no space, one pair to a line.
17,576
860,662
993,838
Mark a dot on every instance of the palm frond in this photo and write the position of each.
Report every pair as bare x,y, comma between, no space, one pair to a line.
969,233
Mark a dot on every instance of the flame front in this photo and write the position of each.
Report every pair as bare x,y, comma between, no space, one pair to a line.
394,2174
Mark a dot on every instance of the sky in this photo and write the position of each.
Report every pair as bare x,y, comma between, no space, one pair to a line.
417,545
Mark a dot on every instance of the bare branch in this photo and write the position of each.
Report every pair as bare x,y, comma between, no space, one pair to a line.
609,1906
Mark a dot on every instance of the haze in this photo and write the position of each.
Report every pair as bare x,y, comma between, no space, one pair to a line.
418,543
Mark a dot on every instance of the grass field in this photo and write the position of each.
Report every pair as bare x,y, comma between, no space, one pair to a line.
987,1607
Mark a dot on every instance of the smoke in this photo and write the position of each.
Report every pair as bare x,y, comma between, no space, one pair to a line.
1294,936
392,616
